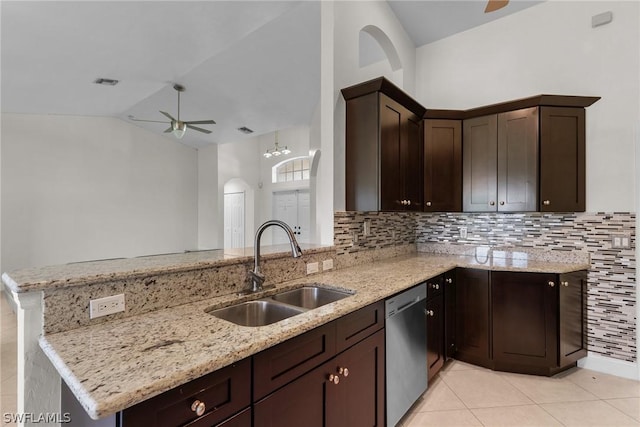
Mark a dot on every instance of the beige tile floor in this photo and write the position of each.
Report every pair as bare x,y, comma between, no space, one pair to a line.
467,395
461,395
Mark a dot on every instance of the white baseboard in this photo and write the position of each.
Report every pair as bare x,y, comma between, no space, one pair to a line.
607,365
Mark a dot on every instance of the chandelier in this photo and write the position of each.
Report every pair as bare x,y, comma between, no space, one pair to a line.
276,151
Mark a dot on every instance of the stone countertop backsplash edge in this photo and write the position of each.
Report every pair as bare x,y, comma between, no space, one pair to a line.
114,365
86,273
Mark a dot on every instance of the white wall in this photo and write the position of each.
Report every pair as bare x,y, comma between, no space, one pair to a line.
243,159
208,230
82,188
551,48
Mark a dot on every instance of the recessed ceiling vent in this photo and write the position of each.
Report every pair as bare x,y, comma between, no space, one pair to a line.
245,130
106,82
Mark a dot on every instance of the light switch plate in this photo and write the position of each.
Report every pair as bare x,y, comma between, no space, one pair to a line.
620,241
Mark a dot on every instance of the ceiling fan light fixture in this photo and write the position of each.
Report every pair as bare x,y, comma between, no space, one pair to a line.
179,128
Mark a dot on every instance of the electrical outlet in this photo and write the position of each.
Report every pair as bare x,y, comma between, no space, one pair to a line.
312,267
327,264
107,305
366,227
463,232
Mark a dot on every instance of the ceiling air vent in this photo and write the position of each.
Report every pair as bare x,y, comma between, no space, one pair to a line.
245,130
106,82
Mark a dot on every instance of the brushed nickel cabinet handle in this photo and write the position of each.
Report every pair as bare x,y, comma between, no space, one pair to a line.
492,203
552,284
343,371
501,203
546,202
448,280
198,407
428,203
333,378
565,284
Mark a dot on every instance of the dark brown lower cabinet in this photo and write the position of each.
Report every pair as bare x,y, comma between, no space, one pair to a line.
222,394
524,309
450,314
538,321
345,391
473,316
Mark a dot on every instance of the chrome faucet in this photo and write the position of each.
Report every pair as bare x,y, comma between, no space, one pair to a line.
256,276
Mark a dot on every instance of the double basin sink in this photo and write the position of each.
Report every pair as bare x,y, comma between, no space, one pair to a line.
280,306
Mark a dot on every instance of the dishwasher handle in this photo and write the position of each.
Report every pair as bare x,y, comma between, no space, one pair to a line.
407,305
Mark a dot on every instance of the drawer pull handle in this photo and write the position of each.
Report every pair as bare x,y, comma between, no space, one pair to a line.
334,379
501,203
448,280
198,407
343,371
428,203
429,312
492,203
546,202
565,284
552,284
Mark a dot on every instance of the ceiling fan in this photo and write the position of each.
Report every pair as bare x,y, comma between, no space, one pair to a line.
493,5
177,126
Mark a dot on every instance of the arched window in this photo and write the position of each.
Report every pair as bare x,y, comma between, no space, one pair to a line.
295,169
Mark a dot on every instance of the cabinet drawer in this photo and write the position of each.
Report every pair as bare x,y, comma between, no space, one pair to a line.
360,324
223,392
285,362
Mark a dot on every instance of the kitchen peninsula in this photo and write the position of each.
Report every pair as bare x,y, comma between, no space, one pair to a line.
167,339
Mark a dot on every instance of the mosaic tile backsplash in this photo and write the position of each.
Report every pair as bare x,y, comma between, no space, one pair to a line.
611,280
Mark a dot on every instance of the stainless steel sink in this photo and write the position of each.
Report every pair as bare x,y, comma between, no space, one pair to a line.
310,297
256,313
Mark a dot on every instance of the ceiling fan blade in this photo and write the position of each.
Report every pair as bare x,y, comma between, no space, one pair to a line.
150,121
168,115
170,129
201,122
493,5
197,128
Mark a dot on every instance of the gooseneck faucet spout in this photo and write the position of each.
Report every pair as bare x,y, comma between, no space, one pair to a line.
256,276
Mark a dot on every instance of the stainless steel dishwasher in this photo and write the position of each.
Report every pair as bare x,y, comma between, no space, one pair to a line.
406,350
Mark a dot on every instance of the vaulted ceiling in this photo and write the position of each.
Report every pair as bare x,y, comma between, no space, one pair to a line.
243,63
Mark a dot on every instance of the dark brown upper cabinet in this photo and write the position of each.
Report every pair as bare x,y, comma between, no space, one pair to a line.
501,162
383,148
525,159
442,165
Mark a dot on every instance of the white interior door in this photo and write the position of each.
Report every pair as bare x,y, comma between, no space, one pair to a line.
234,220
294,208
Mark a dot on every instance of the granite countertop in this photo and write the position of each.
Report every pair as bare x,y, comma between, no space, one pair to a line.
117,364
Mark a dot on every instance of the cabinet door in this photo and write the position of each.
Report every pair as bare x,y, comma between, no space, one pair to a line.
524,309
412,157
518,160
562,159
479,164
360,393
303,402
442,165
435,338
391,174
573,317
472,316
450,314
